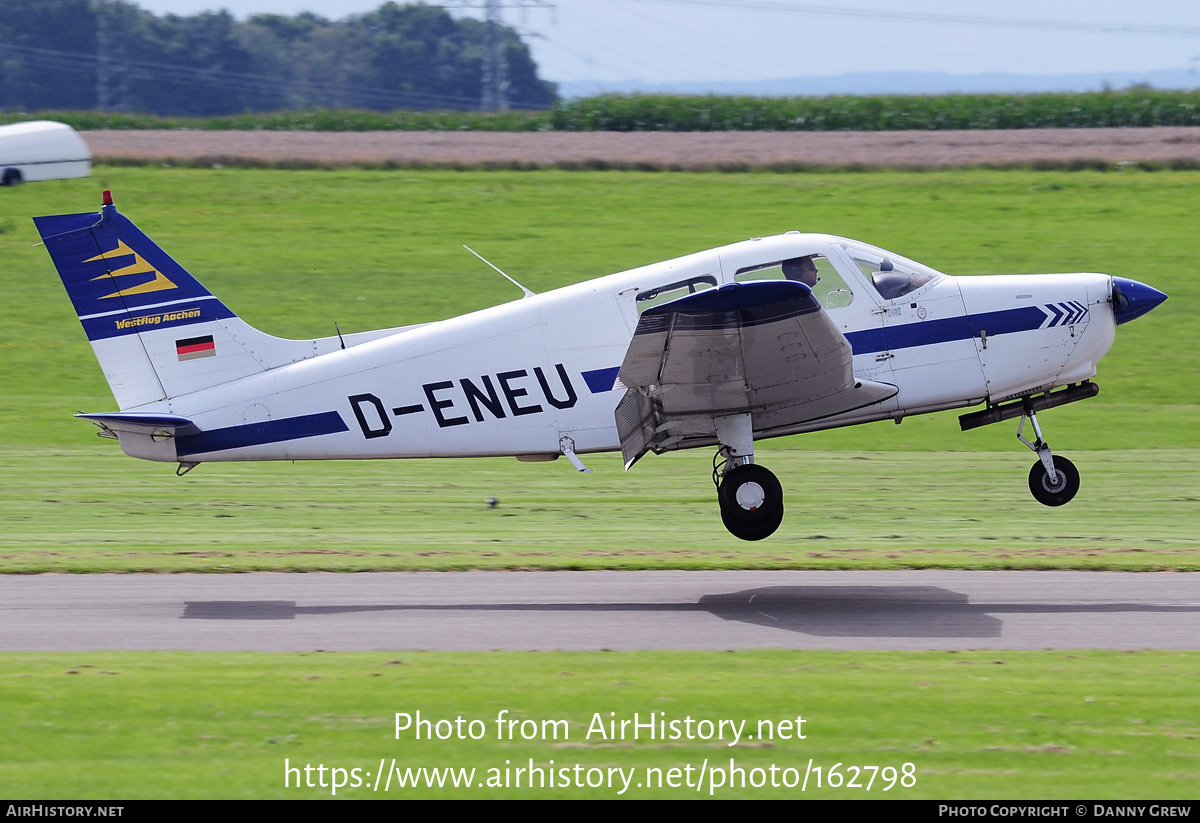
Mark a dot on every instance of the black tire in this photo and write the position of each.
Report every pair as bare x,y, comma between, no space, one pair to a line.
752,530
745,522
1054,494
12,177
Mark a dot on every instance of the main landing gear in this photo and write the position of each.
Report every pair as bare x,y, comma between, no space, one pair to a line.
1053,480
750,496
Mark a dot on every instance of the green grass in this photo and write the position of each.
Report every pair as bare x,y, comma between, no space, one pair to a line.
976,725
290,250
58,513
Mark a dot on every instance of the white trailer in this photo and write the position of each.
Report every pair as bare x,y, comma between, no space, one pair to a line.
42,150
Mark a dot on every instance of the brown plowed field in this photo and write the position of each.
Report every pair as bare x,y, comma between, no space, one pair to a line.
688,150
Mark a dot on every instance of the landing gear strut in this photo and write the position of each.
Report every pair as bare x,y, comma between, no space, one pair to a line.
750,496
1053,480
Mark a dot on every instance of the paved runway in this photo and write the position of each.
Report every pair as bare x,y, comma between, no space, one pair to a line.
601,610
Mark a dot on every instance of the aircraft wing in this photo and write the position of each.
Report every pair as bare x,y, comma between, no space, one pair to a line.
767,348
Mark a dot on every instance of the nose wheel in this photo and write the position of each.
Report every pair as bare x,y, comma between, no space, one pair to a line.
1057,489
1053,480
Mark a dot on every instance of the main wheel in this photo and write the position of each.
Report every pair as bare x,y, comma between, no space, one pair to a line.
751,501
12,177
1057,490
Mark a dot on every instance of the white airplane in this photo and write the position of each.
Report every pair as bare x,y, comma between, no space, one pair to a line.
767,337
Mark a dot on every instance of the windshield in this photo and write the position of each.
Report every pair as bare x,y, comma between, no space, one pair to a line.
891,275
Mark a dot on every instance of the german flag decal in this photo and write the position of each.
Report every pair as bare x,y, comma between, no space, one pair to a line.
195,347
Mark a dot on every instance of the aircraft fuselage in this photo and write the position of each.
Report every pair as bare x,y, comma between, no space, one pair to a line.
515,379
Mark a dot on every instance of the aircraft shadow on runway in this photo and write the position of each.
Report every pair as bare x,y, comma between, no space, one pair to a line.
825,611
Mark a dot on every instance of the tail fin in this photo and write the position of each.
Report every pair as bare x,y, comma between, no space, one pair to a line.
157,332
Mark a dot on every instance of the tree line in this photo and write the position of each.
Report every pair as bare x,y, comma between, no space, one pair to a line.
111,55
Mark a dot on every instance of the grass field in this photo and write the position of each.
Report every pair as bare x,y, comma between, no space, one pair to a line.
974,725
879,510
292,250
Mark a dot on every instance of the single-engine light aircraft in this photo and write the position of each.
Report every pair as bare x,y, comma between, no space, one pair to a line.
766,337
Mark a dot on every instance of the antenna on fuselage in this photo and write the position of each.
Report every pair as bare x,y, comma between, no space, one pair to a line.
527,292
321,284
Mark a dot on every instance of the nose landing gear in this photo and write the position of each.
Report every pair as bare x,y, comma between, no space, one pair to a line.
1053,480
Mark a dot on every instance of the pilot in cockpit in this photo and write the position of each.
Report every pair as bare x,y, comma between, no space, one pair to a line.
802,270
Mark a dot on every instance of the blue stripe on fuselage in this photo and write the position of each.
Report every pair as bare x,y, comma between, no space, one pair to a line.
929,332
258,434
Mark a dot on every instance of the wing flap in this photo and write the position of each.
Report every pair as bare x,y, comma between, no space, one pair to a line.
636,424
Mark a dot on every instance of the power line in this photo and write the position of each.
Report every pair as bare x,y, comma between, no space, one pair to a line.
1149,29
495,85
240,81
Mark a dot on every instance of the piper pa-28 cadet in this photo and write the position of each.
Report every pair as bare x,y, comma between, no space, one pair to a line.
767,337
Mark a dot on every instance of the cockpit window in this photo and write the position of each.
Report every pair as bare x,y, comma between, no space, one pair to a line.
813,270
892,276
673,291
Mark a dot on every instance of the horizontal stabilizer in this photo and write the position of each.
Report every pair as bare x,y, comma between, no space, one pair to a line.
142,422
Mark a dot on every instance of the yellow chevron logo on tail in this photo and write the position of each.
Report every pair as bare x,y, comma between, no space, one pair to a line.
138,266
